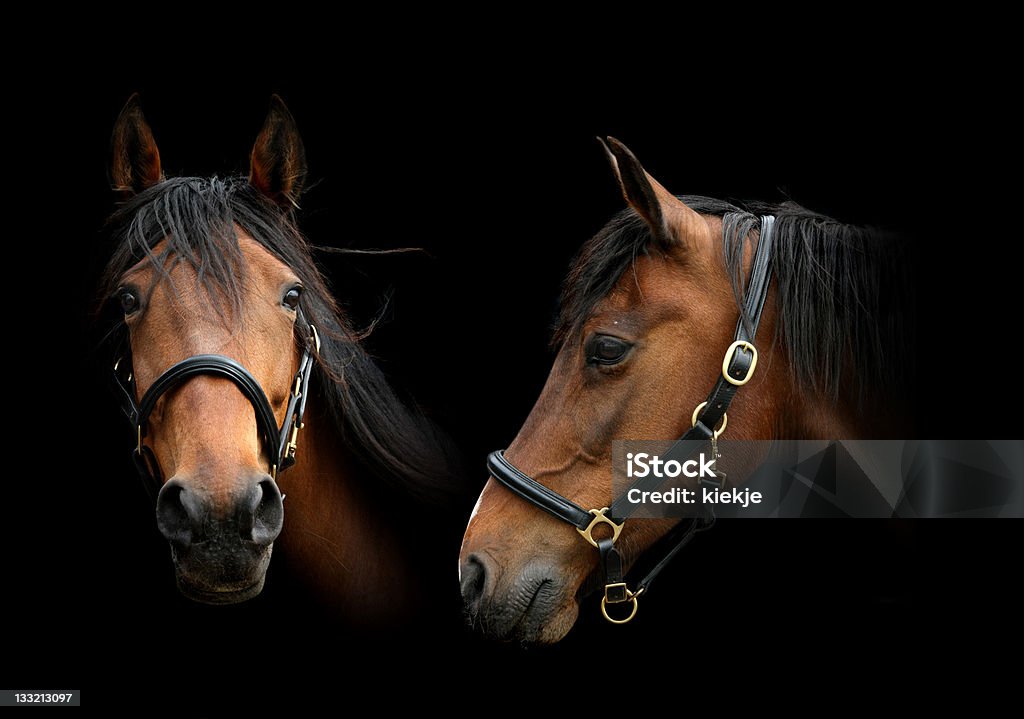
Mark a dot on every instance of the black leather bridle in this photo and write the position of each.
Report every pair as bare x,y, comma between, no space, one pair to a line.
708,422
279,444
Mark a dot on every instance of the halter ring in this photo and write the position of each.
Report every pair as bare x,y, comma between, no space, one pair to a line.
721,428
630,598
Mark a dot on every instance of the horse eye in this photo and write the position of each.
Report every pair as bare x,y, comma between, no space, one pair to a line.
291,298
607,350
129,301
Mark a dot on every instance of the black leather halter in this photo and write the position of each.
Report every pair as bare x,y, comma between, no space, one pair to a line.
708,422
279,444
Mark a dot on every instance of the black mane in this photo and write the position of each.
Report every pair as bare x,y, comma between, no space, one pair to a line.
198,217
843,292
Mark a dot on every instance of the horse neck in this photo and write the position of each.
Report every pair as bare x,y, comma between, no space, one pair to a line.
337,535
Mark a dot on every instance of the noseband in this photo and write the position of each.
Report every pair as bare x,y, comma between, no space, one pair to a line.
278,443
708,421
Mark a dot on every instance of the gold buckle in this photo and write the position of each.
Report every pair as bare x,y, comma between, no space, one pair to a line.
599,518
728,358
716,433
630,598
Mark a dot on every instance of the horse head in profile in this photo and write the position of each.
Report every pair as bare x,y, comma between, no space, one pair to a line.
228,329
648,310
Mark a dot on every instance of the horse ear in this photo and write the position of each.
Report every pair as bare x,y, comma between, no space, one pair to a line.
670,220
278,163
134,157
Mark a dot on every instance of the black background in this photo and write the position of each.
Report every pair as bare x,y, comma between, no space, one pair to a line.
501,181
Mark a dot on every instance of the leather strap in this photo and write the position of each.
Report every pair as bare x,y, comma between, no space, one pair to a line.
536,493
746,330
670,545
757,284
615,588
219,366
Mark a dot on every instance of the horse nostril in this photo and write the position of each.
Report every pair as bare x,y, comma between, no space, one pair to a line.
474,581
265,513
178,514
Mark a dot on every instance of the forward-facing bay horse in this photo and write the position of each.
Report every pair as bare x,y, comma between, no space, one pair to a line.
650,306
225,327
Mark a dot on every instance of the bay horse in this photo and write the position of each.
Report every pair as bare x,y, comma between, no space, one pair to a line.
227,327
647,312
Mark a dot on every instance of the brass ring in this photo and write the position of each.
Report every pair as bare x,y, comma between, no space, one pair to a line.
718,432
632,611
